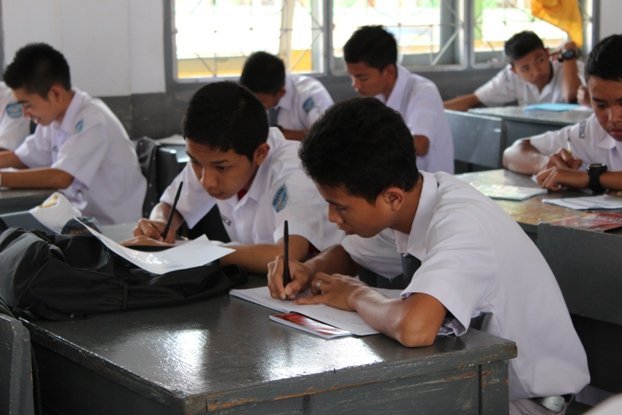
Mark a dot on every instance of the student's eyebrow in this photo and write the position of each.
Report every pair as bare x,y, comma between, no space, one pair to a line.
215,162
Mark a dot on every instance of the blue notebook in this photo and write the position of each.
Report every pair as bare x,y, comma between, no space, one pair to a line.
552,106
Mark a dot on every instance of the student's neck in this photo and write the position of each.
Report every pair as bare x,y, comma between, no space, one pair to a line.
407,213
65,101
389,87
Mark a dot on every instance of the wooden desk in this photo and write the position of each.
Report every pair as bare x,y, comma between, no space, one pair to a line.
521,123
225,356
16,200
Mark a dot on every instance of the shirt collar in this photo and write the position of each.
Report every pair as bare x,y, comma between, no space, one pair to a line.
401,84
287,100
68,125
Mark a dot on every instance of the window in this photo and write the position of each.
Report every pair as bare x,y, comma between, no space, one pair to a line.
212,38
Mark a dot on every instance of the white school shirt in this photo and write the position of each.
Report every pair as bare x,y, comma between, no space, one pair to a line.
305,100
507,87
476,259
91,144
418,101
588,140
14,126
280,191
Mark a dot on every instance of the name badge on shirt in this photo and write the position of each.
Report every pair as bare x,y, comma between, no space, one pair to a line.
308,104
279,201
14,110
225,220
79,126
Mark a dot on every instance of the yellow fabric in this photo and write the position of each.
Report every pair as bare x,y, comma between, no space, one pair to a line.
561,13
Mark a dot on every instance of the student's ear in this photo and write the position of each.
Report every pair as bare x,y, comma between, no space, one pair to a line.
512,68
390,70
280,93
55,93
393,197
260,154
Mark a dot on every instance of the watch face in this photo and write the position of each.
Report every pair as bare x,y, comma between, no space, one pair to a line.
597,166
569,54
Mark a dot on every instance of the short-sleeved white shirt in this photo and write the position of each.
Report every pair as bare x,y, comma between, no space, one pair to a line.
305,100
588,140
418,101
14,126
280,191
91,144
507,87
476,259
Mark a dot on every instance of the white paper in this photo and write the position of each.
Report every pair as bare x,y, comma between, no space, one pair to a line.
345,320
55,212
194,253
587,202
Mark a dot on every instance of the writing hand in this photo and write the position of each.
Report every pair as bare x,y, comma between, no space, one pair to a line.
556,178
153,229
300,277
333,290
563,159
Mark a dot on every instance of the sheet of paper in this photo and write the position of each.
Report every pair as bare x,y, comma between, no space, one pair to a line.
194,253
508,192
345,320
587,202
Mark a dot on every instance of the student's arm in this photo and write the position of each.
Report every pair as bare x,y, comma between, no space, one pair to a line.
557,178
523,157
413,322
462,102
571,80
255,258
153,227
332,260
422,145
38,178
10,159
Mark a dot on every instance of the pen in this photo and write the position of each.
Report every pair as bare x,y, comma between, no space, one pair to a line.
170,214
286,276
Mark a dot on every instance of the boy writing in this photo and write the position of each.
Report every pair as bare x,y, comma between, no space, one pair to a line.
463,255
371,61
78,147
532,76
293,102
254,176
556,157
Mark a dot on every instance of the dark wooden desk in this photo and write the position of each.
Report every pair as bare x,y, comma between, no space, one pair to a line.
16,200
521,123
225,356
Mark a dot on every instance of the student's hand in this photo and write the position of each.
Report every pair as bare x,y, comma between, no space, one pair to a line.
153,229
142,240
583,96
333,290
556,178
300,274
563,159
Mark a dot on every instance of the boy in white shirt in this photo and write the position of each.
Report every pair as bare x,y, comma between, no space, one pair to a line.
14,126
79,145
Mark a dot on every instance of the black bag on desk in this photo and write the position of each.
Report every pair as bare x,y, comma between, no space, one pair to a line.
62,277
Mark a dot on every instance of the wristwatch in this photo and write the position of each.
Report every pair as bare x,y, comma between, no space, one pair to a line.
568,54
594,171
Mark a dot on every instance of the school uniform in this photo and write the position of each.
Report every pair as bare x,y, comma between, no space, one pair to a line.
305,100
588,140
476,260
507,87
418,101
280,191
14,126
91,144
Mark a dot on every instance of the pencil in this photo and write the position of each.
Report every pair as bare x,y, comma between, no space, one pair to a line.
169,220
286,276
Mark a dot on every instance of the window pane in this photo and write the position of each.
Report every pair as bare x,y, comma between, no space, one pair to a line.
497,20
212,38
425,29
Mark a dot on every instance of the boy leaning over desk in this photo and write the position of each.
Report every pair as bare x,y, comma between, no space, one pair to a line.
557,157
532,76
466,257
254,176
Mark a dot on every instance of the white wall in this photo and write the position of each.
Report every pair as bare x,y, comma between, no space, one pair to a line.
114,47
610,12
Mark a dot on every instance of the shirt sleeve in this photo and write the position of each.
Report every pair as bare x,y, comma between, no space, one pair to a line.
551,141
378,253
501,89
36,150
315,104
425,108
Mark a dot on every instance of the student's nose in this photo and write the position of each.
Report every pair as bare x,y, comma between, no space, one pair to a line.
356,84
333,216
615,114
208,179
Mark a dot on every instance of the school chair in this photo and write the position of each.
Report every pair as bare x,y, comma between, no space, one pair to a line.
16,387
479,141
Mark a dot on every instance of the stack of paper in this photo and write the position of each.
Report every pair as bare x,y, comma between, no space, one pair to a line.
588,202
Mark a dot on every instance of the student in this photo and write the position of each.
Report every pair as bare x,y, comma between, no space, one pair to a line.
371,61
532,76
14,127
79,146
557,157
474,259
293,102
254,176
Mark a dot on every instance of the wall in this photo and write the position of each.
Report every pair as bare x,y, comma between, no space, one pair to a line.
610,12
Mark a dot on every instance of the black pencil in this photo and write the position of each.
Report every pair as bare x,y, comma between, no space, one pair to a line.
170,214
286,276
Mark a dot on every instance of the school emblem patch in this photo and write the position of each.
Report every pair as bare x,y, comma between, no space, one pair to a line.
14,110
279,201
308,104
79,126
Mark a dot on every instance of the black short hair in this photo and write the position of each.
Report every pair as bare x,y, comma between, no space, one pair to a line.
224,116
363,145
605,60
36,67
521,44
372,45
263,73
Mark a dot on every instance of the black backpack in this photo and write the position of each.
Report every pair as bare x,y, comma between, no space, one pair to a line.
61,277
